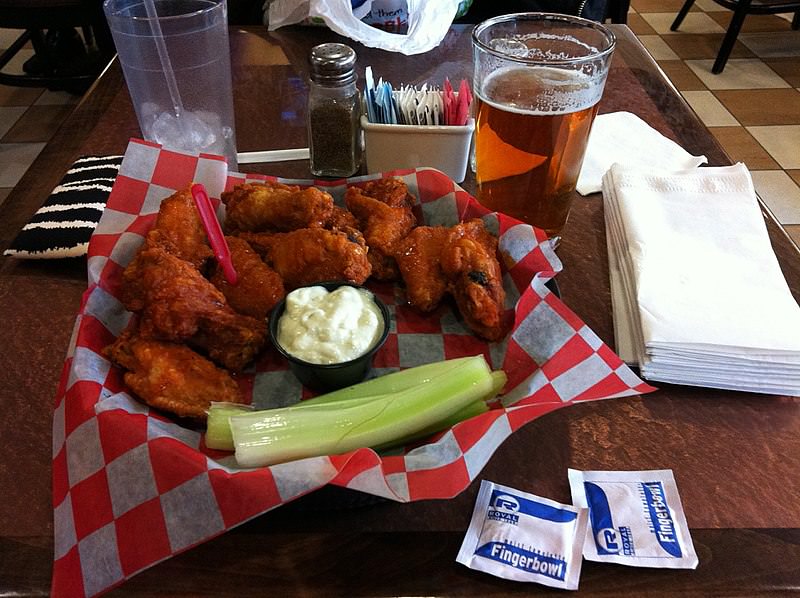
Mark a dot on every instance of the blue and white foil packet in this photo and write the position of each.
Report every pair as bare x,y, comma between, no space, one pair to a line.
636,518
524,537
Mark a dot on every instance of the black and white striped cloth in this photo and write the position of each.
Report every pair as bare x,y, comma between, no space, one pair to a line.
63,225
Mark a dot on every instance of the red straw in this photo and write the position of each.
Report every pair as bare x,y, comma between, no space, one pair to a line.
214,232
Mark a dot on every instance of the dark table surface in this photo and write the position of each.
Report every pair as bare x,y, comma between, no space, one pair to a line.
736,456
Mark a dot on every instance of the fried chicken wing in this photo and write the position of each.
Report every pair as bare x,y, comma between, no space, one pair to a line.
418,256
341,219
258,287
271,206
179,230
469,261
392,191
311,255
177,304
172,377
383,226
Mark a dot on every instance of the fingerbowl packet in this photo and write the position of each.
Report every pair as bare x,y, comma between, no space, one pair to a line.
524,537
635,518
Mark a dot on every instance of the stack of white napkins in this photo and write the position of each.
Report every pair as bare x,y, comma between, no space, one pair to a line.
698,295
624,138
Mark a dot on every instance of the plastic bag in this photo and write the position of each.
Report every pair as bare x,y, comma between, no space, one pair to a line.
428,22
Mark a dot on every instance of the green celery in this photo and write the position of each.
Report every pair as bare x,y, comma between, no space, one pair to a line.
218,428
287,433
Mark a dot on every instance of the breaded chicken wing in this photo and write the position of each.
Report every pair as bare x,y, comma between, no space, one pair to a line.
271,206
311,255
383,226
258,287
179,230
392,191
172,377
341,219
177,304
469,261
418,256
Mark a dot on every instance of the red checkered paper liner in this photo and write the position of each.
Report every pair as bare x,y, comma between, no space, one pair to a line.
132,487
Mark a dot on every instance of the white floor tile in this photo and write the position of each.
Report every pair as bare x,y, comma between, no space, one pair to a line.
658,48
739,73
14,67
772,45
56,98
694,22
15,159
780,193
781,141
8,116
709,109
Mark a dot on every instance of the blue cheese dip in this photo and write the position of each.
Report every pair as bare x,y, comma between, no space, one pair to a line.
324,327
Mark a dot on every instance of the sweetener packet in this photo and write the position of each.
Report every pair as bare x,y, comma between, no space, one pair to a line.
636,518
524,537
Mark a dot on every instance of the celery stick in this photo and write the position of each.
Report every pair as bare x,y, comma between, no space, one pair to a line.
392,383
284,434
499,379
218,430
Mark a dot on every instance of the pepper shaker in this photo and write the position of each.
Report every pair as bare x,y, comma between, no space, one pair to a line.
334,111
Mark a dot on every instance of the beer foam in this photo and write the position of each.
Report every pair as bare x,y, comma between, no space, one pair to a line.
539,90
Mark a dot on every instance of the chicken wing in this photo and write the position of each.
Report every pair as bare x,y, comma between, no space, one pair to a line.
258,287
179,230
271,206
469,261
172,377
418,256
177,304
383,226
310,255
392,191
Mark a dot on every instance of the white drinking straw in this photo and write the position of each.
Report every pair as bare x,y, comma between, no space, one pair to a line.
163,56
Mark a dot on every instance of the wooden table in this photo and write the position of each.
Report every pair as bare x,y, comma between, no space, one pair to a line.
736,456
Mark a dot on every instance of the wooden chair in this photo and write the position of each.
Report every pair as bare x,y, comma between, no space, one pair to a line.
33,17
741,8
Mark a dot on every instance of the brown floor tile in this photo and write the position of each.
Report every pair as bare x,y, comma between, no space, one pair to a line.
693,46
681,75
794,232
762,106
742,147
795,174
658,5
37,124
753,23
788,68
4,191
18,96
639,26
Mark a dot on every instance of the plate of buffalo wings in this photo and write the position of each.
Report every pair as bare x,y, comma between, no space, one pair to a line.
195,338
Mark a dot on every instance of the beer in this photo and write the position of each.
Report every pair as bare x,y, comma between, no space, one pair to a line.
532,128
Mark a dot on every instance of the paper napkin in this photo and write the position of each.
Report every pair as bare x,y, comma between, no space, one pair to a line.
625,138
698,295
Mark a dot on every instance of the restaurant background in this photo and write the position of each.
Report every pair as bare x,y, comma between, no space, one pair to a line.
752,107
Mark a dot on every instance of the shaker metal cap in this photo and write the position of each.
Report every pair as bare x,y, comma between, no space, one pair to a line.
332,63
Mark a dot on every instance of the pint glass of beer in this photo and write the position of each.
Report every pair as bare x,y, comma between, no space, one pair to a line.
538,80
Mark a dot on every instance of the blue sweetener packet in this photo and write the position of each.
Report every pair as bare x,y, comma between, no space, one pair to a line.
524,537
635,518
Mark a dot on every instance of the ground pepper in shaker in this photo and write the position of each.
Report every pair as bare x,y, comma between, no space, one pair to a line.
334,111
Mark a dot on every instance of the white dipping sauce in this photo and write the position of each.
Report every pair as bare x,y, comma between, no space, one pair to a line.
324,327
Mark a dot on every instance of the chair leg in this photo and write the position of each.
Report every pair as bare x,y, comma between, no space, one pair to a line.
730,36
796,20
618,11
681,15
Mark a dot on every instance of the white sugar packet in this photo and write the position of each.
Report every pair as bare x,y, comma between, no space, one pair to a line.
524,537
635,518
625,138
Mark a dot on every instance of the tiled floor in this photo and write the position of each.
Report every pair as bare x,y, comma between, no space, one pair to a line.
753,107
